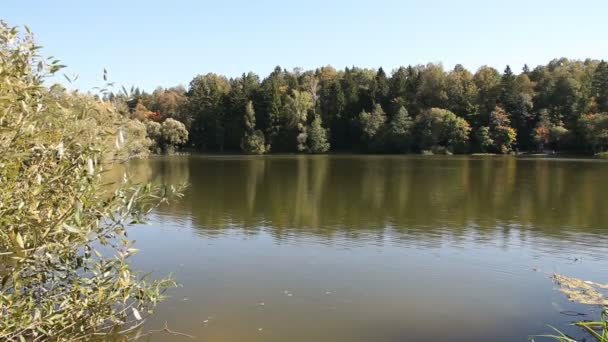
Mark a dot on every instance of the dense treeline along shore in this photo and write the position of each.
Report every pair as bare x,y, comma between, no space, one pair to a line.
561,106
65,271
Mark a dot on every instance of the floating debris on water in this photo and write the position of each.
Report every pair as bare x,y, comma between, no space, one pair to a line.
288,294
581,291
327,292
260,304
260,329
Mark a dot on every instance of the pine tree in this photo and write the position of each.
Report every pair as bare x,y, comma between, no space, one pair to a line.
600,86
508,90
253,141
371,123
381,88
372,128
400,131
317,136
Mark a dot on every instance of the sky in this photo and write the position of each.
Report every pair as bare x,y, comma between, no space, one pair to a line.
165,43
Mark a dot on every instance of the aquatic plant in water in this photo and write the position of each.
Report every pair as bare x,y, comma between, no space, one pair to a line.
583,292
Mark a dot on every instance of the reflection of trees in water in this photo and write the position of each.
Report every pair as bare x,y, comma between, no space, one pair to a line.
351,195
165,170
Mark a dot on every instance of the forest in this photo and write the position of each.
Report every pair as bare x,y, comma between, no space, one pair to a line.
561,106
65,270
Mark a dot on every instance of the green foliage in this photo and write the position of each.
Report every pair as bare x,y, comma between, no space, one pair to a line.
166,136
253,141
549,134
441,128
317,137
242,90
380,88
487,80
484,138
173,133
249,118
432,91
597,329
372,127
296,108
583,292
371,123
400,132
55,211
153,130
461,91
600,86
287,102
205,111
595,130
502,134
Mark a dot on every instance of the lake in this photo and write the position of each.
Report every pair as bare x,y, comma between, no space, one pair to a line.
372,248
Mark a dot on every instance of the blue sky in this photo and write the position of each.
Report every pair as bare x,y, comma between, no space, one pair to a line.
165,43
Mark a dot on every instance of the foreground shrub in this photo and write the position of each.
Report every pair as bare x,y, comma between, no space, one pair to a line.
55,211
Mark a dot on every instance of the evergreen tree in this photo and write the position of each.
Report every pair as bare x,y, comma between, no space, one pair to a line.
242,90
508,90
600,86
317,136
595,130
288,102
371,126
381,88
253,140
273,114
400,131
297,107
548,134
397,94
206,108
484,138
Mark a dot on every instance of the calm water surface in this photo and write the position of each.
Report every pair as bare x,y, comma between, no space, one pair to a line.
372,248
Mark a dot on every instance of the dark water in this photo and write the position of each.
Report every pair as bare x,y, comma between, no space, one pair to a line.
373,248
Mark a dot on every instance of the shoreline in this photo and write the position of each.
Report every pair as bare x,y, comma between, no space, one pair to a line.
556,155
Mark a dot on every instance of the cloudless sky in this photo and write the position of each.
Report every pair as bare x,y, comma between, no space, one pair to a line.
165,43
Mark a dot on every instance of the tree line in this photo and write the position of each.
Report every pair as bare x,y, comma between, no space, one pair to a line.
559,106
